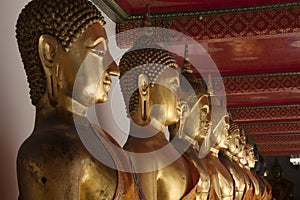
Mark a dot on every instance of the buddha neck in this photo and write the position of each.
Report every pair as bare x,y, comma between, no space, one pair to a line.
235,158
247,167
190,140
66,109
228,154
144,133
214,151
73,106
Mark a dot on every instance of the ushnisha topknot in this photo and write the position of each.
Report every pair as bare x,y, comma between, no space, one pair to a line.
234,129
145,57
249,147
198,85
65,20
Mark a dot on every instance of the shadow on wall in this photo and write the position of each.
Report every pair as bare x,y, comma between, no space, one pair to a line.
290,172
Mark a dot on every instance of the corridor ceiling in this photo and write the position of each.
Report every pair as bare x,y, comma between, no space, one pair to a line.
256,47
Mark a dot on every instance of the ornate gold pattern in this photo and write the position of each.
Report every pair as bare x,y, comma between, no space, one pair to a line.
244,24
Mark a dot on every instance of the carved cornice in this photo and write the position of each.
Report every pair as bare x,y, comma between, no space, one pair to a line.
238,24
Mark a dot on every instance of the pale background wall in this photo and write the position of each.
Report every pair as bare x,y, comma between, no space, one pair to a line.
16,112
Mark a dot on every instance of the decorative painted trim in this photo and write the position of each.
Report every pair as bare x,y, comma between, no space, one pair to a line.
275,128
264,107
213,12
258,83
277,139
229,25
119,10
270,123
259,75
279,147
265,113
280,153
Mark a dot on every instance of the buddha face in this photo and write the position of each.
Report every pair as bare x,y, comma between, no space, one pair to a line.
233,142
251,158
243,139
87,67
163,93
222,132
276,172
197,122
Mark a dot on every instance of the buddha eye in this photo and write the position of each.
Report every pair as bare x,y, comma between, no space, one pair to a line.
174,84
98,53
204,112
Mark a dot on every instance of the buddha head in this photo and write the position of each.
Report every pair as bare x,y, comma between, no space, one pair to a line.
58,40
233,139
251,159
243,138
149,82
220,124
276,170
242,142
197,119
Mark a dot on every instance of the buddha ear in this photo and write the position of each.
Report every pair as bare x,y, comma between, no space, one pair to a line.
144,92
48,50
48,53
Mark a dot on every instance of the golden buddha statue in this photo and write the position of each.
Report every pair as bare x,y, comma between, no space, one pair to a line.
240,159
268,187
227,157
267,190
282,188
149,82
250,163
222,184
63,42
193,125
261,172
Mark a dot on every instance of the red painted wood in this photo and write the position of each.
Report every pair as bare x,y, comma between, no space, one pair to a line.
277,139
274,129
263,99
138,7
280,153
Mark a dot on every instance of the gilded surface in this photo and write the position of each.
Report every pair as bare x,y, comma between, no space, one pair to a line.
53,163
153,82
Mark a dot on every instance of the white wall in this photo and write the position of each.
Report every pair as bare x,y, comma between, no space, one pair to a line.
17,113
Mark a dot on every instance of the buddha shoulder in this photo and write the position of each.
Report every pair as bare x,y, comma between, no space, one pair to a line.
56,160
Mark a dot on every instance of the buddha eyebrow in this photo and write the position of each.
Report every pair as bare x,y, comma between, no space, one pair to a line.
97,52
96,42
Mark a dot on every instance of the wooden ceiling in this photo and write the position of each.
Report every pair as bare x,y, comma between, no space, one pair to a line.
256,47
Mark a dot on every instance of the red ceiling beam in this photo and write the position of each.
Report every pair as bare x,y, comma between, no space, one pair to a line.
280,153
277,139
271,128
266,113
259,90
279,147
262,99
135,7
244,24
259,83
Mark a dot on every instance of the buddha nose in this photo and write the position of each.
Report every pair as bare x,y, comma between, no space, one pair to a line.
113,69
